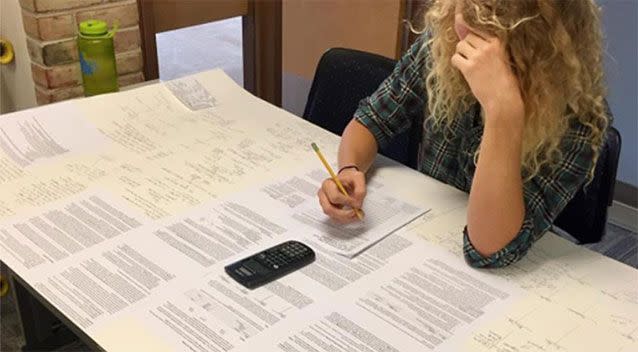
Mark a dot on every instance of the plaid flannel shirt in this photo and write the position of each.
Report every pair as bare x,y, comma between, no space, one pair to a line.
401,99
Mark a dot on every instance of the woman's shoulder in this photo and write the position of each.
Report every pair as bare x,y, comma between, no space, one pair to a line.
577,131
581,132
419,50
580,147
422,43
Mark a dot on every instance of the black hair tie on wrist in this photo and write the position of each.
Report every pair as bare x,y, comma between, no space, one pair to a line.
348,167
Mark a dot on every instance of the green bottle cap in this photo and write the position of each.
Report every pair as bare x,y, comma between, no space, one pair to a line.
93,28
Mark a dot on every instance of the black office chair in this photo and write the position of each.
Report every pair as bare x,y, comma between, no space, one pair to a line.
346,76
585,216
342,79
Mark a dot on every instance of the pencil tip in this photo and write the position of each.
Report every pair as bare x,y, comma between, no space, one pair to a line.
314,146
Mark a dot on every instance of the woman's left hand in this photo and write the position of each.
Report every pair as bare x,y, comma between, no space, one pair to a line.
484,62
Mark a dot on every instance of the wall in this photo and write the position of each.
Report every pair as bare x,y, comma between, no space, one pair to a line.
16,85
310,27
620,25
51,27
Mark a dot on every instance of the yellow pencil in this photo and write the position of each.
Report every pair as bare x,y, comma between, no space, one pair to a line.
334,177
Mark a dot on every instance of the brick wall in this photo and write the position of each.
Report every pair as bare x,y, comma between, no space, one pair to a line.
52,26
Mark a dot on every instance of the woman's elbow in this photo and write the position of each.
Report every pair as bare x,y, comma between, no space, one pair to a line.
495,256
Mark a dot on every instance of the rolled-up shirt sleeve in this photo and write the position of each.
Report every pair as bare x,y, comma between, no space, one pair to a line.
399,99
545,195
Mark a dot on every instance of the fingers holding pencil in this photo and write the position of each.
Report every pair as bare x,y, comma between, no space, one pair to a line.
337,206
354,183
341,196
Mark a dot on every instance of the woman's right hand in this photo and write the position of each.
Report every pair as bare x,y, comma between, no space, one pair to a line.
337,206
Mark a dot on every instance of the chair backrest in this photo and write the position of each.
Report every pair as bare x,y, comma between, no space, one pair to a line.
343,78
346,76
585,216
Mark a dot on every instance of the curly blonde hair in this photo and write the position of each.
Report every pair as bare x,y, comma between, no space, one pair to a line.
555,49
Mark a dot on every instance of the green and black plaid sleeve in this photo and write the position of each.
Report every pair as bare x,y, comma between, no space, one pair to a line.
391,109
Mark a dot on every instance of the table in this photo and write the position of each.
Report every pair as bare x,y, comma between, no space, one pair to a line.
124,187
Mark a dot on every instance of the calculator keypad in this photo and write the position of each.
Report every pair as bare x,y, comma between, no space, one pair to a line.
282,255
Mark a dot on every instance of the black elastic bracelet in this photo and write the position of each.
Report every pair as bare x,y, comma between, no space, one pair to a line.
348,167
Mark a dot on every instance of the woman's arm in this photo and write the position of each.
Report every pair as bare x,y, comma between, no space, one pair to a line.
386,113
545,194
496,209
358,146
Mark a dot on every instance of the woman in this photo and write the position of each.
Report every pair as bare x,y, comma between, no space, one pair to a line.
512,97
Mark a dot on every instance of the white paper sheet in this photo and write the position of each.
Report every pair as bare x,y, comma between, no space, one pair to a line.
36,135
296,197
191,93
54,235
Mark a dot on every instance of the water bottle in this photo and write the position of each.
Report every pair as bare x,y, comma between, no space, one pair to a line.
97,57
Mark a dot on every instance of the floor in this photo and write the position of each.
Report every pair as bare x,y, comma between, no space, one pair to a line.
199,48
181,53
219,45
619,243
